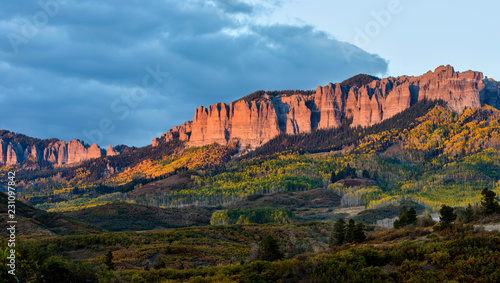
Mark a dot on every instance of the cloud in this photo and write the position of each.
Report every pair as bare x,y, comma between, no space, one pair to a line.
234,6
67,77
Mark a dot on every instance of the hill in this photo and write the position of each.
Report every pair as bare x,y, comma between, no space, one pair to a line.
34,222
128,217
229,253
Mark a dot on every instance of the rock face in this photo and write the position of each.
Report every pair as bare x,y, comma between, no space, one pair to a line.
182,132
256,122
111,152
62,153
55,152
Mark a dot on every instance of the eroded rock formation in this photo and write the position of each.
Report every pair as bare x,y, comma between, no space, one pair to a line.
256,122
56,152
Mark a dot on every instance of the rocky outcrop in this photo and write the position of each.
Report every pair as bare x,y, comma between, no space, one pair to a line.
62,153
256,122
111,152
182,132
11,152
55,152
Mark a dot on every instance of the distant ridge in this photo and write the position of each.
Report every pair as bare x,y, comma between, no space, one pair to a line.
32,153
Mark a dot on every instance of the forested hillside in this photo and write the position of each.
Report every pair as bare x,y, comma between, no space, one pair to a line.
428,154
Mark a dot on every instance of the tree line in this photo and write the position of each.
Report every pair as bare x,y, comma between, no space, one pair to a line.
324,140
344,233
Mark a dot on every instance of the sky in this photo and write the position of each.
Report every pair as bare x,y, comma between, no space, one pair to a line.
125,71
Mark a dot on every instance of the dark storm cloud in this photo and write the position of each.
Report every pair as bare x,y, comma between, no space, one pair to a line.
88,59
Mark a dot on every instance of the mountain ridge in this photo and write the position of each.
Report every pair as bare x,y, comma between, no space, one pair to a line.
33,153
263,116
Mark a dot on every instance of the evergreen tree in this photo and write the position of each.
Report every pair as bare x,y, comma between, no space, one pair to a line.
350,171
396,224
350,230
53,270
411,216
489,202
341,175
333,178
338,234
269,249
403,218
359,233
447,215
366,174
108,260
469,214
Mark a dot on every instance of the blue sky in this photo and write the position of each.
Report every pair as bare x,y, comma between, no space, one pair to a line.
123,72
422,36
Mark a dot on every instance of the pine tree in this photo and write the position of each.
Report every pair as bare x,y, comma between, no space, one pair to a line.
469,214
366,174
350,171
350,230
489,202
333,178
403,218
411,216
338,234
269,249
359,233
108,260
447,215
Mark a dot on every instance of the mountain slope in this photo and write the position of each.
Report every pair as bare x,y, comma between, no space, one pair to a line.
426,154
129,217
32,221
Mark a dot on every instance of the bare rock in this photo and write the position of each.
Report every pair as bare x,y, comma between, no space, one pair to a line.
255,122
111,152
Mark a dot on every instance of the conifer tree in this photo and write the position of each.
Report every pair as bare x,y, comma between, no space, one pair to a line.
269,249
359,233
108,260
333,177
403,218
447,215
469,214
411,216
489,202
338,234
350,230
366,174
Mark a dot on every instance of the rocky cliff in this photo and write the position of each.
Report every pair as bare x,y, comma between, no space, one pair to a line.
16,149
257,121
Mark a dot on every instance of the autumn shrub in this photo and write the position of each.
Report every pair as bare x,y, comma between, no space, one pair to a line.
425,221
